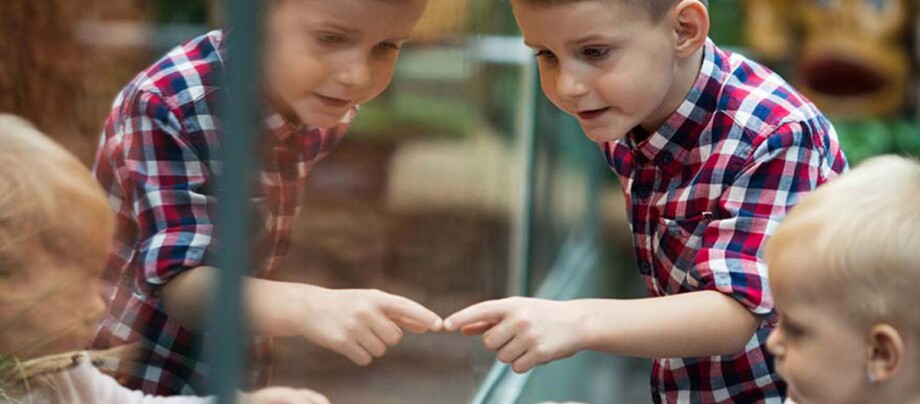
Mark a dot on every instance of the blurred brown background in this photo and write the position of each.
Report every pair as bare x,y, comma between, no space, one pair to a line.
53,78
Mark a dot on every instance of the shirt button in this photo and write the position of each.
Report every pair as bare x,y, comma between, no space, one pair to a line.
642,191
644,267
666,158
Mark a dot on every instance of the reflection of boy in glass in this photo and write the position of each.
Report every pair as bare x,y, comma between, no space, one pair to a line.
712,149
157,160
55,231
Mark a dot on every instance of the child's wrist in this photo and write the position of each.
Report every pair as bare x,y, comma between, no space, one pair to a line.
276,307
586,332
304,303
295,302
596,326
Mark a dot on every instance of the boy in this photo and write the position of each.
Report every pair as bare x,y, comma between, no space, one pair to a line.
156,160
711,149
55,231
844,271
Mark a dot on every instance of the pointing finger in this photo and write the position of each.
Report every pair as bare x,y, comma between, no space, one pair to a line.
491,311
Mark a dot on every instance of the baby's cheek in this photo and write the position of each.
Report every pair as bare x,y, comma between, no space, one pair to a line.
7,340
73,316
808,384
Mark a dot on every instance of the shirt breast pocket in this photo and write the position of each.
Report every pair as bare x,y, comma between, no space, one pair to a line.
675,247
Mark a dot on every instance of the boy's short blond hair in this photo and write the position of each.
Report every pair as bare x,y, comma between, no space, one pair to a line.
862,232
50,204
657,9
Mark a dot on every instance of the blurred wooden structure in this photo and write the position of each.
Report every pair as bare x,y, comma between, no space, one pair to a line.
442,20
53,79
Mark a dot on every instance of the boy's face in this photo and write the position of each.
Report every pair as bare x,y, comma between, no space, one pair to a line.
817,350
323,57
604,62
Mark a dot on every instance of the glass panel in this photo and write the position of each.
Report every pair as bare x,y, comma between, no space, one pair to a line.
420,200
460,183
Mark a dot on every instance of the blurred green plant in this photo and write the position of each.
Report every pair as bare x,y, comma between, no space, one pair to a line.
181,11
491,17
726,22
404,116
863,139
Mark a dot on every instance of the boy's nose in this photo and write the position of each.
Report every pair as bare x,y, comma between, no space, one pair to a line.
356,74
570,86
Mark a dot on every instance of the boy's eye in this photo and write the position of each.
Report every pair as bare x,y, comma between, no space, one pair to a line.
545,54
595,52
330,39
386,46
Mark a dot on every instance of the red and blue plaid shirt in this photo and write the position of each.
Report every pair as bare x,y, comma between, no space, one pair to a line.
705,191
158,158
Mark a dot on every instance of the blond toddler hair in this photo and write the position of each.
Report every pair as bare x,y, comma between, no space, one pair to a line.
51,207
864,230
54,220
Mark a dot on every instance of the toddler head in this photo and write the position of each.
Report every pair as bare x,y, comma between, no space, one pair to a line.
844,271
55,231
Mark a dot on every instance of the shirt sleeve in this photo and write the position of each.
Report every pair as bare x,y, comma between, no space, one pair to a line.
165,179
780,171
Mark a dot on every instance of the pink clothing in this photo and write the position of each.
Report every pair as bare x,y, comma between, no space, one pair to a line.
85,384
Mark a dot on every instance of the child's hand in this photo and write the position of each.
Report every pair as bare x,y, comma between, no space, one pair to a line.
524,332
361,323
283,395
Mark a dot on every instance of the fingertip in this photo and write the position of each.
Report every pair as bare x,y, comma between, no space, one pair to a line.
449,325
437,325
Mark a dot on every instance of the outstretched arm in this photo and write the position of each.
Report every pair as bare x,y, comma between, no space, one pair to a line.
357,323
527,332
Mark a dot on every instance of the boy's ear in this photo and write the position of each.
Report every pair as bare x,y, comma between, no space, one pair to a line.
886,352
690,20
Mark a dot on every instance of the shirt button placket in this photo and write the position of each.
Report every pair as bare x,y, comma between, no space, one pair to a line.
645,268
642,191
641,185
666,158
674,231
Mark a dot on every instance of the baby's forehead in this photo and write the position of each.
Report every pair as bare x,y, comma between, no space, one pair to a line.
796,268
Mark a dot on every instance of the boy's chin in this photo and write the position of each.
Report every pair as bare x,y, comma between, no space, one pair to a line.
320,120
601,135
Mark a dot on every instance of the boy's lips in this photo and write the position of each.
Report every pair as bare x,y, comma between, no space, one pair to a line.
588,115
332,101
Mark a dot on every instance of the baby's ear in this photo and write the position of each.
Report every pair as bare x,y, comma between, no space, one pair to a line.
886,352
690,20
